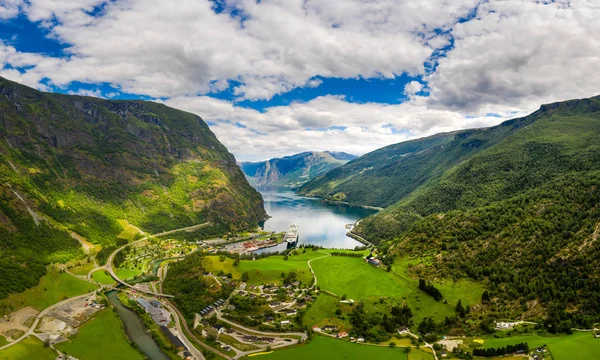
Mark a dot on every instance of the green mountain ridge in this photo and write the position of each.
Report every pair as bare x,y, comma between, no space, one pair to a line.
515,206
72,163
295,170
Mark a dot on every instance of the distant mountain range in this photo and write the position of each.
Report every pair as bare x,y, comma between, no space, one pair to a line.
293,171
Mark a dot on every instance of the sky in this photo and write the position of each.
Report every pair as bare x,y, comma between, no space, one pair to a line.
278,77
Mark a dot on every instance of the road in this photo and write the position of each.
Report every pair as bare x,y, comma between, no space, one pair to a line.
190,334
274,334
311,269
42,314
428,345
197,354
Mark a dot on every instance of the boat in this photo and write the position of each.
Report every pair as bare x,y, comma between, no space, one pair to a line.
291,236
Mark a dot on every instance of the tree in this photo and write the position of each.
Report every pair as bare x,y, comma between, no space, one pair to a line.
245,276
338,312
268,348
460,309
344,297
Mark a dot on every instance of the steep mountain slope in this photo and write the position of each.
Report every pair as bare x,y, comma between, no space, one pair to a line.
293,171
522,216
387,175
80,164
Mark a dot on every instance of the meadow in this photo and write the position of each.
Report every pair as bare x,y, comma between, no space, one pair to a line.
580,345
83,269
30,348
104,332
322,347
103,277
360,281
266,270
55,286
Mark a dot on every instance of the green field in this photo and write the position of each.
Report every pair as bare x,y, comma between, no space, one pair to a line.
267,270
102,338
418,354
103,277
82,270
580,345
3,341
53,287
322,347
28,349
125,274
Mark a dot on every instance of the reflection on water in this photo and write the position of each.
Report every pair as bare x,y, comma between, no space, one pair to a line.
135,329
320,224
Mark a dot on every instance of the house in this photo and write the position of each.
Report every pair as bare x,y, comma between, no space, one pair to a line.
342,334
218,328
316,328
330,328
230,331
360,340
274,304
444,353
289,312
374,262
352,339
402,330
269,319
285,322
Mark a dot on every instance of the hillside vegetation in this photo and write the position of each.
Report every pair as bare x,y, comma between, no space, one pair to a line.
518,213
293,171
79,164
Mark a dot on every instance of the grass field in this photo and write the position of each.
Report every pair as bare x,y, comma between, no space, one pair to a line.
418,354
580,345
361,281
267,270
28,349
83,269
102,338
322,347
53,287
3,341
322,312
103,277
125,274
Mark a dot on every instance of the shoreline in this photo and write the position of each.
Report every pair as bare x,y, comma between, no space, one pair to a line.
345,203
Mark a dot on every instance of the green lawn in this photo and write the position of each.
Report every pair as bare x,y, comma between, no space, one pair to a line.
3,341
30,348
418,354
83,269
580,345
361,281
125,274
322,312
322,347
103,277
53,287
267,270
101,338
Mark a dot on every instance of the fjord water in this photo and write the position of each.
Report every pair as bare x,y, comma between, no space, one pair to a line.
135,330
320,224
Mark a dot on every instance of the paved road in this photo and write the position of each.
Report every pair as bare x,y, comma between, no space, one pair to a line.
42,314
274,334
311,269
197,354
190,334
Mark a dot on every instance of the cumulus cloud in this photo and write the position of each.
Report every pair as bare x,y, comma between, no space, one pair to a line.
472,58
324,123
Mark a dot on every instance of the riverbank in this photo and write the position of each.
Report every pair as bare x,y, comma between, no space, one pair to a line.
347,204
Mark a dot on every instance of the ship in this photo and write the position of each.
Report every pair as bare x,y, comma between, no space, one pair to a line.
291,236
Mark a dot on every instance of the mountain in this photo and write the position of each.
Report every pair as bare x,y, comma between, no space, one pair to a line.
293,171
513,206
88,167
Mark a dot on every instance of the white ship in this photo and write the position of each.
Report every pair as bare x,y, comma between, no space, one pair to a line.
291,236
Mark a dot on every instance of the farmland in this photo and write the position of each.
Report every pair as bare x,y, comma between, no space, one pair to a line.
30,348
53,287
104,332
326,348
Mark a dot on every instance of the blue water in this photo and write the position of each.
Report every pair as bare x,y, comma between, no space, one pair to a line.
319,224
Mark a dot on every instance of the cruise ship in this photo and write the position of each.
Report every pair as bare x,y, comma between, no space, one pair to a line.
291,236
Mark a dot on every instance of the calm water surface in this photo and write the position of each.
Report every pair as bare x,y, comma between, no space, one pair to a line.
136,332
319,224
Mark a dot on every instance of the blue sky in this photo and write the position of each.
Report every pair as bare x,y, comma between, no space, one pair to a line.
276,77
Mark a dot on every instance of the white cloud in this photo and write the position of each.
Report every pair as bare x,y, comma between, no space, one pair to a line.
9,8
520,54
324,123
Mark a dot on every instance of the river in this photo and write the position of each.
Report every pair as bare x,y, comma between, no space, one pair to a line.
135,329
319,224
